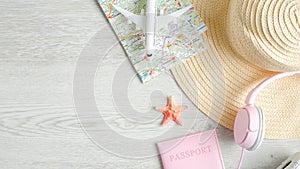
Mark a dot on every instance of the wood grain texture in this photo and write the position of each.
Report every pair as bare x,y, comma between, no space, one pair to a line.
40,43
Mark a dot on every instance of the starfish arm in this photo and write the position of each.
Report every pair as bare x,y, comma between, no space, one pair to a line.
178,121
171,101
161,109
182,108
165,121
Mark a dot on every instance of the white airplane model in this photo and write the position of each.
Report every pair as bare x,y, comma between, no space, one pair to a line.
151,23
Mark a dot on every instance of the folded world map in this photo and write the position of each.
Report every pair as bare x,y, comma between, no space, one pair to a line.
175,41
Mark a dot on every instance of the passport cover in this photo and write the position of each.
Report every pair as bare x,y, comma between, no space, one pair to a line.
195,151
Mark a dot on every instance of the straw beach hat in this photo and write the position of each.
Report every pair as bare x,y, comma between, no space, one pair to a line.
247,42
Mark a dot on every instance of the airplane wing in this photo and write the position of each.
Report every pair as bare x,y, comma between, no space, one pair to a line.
163,20
139,20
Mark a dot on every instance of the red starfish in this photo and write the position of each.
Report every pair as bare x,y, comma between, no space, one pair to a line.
171,111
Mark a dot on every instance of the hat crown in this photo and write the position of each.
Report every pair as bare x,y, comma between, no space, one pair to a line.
266,32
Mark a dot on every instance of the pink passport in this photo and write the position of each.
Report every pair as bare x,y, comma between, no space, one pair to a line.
197,151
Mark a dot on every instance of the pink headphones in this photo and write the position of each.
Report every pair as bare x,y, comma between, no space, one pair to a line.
249,124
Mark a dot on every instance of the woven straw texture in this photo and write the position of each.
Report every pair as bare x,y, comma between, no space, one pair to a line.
246,41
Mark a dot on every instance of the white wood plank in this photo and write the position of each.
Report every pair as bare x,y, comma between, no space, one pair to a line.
40,42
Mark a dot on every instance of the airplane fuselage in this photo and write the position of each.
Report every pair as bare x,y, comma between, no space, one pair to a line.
151,14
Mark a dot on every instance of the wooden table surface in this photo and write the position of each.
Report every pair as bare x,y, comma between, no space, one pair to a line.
42,87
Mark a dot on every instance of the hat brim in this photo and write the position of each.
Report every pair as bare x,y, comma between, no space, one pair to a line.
218,80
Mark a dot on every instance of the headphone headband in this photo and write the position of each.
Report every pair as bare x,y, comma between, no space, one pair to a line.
254,92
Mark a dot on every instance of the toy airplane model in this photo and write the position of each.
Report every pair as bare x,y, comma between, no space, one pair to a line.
151,23
155,34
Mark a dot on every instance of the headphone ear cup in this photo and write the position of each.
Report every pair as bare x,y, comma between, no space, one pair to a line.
261,132
247,127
